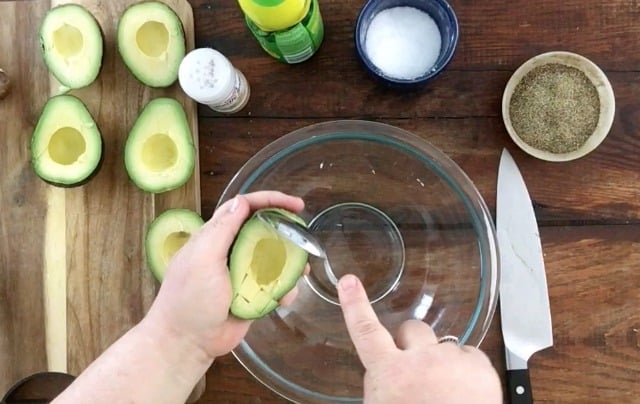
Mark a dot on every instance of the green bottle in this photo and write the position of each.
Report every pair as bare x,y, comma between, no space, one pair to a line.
289,30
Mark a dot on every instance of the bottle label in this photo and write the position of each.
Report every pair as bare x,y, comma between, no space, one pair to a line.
229,104
297,43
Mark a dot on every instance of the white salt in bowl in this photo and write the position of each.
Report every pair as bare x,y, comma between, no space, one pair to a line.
394,66
597,78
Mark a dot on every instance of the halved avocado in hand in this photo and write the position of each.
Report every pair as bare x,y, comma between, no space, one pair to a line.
159,153
72,45
166,235
263,267
151,42
66,145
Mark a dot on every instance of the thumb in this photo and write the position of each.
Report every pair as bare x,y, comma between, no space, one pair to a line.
371,339
217,234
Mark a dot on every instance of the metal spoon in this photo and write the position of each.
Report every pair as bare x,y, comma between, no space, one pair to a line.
299,236
292,231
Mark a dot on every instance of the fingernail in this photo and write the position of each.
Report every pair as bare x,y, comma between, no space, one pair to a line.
348,282
234,205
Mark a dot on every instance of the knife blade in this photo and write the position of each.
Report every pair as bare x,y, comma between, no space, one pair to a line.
524,299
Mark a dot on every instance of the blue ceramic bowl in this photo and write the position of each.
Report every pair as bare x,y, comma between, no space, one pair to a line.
445,19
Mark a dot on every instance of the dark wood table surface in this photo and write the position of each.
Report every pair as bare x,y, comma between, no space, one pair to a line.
588,210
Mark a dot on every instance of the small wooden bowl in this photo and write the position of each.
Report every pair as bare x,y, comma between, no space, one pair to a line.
599,80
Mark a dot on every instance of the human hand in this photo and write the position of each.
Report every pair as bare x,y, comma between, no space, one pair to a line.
194,299
415,367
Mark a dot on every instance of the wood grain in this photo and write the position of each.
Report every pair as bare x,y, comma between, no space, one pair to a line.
109,286
495,38
594,297
22,198
494,35
593,289
589,209
609,176
94,233
453,94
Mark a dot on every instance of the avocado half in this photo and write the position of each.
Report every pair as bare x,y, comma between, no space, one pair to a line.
151,42
263,267
159,152
66,145
72,45
166,235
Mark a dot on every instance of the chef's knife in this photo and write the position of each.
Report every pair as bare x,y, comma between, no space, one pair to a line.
524,299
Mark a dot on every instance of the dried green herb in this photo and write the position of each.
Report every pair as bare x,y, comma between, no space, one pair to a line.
555,108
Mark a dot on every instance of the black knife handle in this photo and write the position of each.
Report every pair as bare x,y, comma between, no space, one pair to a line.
519,386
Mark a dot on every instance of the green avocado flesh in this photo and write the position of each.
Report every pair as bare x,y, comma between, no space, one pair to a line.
66,146
151,42
72,45
159,154
166,235
263,267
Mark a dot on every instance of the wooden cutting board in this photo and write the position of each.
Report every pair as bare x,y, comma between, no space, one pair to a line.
72,272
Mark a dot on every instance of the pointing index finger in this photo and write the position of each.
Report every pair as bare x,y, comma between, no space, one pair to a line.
371,339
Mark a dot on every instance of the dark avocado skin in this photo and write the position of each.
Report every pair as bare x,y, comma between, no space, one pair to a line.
84,181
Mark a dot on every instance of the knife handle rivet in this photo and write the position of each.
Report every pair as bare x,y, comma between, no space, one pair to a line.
519,390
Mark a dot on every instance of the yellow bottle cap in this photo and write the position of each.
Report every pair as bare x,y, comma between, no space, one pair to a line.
275,15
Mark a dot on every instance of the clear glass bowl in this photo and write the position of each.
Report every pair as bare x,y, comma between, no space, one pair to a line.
395,211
